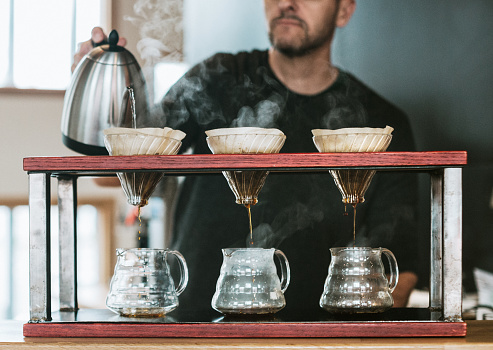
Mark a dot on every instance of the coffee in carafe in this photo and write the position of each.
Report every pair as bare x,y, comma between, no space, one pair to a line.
357,283
248,282
142,285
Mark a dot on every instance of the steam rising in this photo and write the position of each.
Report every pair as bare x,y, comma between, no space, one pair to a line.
160,24
263,115
345,110
295,217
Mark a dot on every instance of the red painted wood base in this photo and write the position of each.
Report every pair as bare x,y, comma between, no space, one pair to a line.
248,330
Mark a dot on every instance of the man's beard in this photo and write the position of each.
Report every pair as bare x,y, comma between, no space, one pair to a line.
307,43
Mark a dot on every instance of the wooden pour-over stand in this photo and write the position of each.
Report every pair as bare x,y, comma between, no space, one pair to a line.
442,318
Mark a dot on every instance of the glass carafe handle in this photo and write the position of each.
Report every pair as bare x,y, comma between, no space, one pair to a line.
394,269
285,271
183,271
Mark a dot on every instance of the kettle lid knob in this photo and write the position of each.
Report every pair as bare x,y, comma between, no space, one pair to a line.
113,41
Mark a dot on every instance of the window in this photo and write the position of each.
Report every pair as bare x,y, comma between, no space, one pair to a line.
14,258
41,38
165,75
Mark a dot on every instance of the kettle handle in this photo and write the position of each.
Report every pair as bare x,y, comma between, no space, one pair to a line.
394,269
183,271
285,271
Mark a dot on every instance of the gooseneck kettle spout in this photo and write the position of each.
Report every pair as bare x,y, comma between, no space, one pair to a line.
97,97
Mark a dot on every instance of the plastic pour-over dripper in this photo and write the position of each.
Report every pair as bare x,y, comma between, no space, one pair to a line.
245,185
352,183
138,186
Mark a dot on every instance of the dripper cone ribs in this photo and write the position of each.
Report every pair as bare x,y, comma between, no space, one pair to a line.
352,183
352,139
139,186
248,140
144,141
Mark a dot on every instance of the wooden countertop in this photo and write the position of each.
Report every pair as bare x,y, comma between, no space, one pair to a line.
479,336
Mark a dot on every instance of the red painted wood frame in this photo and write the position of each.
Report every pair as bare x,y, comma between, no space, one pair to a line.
107,165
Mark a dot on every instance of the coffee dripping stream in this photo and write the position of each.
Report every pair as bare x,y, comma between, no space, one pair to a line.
139,186
352,183
247,184
130,92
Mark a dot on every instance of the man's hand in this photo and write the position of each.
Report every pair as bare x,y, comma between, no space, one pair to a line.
97,36
407,281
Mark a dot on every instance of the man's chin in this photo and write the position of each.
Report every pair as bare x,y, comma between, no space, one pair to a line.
289,50
290,53
286,45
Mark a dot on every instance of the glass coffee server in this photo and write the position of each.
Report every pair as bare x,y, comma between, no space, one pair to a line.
443,317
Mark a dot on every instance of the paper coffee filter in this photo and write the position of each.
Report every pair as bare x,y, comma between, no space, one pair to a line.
243,130
248,140
352,139
386,131
143,141
166,132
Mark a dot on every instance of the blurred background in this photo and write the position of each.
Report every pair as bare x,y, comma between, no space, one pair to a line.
431,58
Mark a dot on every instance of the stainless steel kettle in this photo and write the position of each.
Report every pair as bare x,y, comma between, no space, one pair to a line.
98,98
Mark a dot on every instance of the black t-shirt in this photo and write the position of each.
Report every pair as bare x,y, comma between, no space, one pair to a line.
299,213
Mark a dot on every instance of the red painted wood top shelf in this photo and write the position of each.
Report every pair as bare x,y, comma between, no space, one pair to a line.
274,162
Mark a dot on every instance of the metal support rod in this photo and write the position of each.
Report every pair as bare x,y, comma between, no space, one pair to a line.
39,248
436,266
67,236
452,244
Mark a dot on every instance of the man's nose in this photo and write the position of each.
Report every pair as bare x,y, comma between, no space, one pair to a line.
287,4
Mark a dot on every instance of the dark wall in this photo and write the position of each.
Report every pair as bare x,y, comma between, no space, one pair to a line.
433,59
